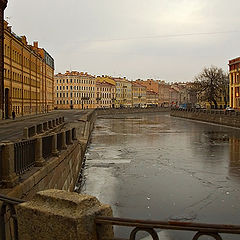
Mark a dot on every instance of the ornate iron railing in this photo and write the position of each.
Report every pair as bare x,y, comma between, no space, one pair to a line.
47,146
68,137
24,155
212,230
8,219
59,141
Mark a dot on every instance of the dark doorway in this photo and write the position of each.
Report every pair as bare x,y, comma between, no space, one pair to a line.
6,100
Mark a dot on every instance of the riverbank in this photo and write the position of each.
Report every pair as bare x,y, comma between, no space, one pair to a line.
231,119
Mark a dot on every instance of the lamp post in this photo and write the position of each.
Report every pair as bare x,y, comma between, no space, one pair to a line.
3,5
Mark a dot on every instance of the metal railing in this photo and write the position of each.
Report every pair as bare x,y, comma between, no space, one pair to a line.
47,146
8,219
208,111
59,141
31,131
212,230
68,137
24,155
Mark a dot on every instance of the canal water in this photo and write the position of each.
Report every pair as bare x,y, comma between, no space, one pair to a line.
154,166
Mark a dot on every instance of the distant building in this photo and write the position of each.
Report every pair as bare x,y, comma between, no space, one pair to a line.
234,83
139,95
150,84
123,92
151,98
28,76
75,90
105,95
164,94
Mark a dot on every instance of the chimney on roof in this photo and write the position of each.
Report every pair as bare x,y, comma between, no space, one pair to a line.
35,44
24,40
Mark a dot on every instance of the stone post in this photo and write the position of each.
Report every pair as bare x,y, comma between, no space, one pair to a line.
57,214
25,133
64,145
39,160
9,177
54,145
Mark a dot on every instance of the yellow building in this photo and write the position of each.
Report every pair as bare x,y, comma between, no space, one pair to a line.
28,76
123,92
139,93
75,90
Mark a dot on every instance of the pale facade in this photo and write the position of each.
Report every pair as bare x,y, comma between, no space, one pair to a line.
75,90
28,76
123,92
139,95
105,95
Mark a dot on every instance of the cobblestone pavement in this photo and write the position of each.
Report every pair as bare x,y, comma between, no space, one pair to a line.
12,130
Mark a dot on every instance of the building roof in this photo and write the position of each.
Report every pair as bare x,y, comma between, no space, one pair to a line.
74,73
234,61
134,84
99,83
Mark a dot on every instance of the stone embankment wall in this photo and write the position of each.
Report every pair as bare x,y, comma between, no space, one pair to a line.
61,171
213,116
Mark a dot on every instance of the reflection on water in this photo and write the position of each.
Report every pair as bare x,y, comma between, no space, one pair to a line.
157,167
234,163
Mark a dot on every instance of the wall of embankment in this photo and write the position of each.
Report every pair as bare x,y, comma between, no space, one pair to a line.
231,119
60,171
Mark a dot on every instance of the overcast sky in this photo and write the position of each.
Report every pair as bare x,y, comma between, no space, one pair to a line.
170,40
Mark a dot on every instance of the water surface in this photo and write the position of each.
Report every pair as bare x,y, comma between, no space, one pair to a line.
153,166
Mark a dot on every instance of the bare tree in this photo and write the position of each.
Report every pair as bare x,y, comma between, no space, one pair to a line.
211,84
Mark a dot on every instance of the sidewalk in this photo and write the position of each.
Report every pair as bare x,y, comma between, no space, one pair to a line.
23,118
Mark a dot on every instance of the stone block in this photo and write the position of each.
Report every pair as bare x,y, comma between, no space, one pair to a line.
57,214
